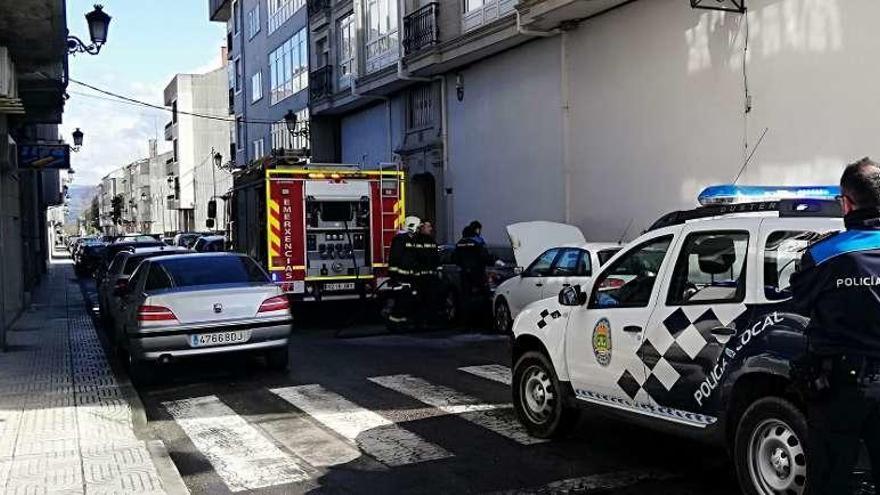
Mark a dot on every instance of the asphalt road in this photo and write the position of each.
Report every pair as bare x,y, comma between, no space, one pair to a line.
361,411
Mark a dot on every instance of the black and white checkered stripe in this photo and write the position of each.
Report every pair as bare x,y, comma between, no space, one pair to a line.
544,321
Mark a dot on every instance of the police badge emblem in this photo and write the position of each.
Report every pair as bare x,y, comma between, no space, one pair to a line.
602,342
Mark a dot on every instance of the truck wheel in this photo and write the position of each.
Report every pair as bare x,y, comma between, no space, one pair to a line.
278,359
770,449
539,401
503,322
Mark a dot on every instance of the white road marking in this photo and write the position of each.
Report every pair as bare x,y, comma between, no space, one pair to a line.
596,482
240,454
497,418
372,433
495,372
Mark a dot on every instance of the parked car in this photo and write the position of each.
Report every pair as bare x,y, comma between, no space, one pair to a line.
116,247
554,255
456,301
689,330
134,238
210,244
186,239
179,306
118,272
87,256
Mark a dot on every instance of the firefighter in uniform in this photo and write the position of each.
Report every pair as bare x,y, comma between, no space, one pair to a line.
838,287
403,269
427,278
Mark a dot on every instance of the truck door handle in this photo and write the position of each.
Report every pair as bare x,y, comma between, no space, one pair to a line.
723,331
632,329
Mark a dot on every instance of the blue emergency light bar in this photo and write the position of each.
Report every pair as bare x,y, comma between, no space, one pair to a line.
727,194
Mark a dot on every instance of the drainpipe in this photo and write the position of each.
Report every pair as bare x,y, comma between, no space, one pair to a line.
447,176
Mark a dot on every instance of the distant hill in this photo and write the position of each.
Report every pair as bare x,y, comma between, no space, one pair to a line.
80,199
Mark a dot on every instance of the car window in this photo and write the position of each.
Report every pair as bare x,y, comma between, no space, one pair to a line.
629,281
131,263
571,263
199,245
541,266
138,274
710,269
606,254
118,261
201,270
157,279
782,255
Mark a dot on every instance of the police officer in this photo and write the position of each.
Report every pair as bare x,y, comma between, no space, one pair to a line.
472,258
838,287
403,268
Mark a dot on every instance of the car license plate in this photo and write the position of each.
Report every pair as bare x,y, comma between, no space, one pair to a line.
219,338
337,286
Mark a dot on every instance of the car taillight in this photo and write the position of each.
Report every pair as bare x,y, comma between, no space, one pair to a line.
276,303
155,313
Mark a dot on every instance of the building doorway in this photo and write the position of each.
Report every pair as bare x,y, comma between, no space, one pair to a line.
421,197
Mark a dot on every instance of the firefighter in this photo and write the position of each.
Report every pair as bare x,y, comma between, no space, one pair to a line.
403,268
472,258
428,277
838,287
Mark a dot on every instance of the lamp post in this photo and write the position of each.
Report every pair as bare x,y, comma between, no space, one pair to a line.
291,121
99,23
77,139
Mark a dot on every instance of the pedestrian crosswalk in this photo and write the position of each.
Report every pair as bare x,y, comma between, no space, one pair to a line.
248,456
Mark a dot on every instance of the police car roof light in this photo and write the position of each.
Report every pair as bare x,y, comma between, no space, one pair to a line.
785,208
726,194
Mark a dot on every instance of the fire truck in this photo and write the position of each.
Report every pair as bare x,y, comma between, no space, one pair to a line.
322,231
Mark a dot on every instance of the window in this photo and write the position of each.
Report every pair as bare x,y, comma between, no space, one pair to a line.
236,12
381,29
256,86
174,111
259,150
281,138
572,263
289,68
230,73
254,21
157,279
420,103
239,132
218,269
280,11
238,75
628,282
472,5
347,50
541,266
782,255
710,269
174,149
606,254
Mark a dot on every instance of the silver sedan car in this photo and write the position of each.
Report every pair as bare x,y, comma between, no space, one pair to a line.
199,304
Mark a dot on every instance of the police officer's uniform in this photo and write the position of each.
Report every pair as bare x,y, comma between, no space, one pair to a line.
472,257
838,287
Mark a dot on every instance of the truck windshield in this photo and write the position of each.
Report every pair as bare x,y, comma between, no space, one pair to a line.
336,211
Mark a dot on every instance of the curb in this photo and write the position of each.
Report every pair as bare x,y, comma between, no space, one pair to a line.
172,482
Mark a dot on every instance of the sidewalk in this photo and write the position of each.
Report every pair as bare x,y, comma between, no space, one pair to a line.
65,423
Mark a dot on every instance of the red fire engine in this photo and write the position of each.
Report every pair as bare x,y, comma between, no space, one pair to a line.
329,228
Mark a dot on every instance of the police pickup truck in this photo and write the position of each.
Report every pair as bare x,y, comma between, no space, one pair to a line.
688,328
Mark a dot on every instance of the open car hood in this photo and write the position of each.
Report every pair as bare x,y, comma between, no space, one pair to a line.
530,239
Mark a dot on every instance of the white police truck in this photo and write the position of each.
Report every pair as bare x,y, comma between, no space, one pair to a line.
688,328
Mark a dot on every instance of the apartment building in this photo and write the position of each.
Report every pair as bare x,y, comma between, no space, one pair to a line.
199,132
268,72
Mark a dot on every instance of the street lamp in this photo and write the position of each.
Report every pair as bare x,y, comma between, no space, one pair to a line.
99,23
218,160
290,120
77,139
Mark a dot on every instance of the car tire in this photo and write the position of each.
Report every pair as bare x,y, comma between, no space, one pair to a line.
770,448
540,402
278,359
501,320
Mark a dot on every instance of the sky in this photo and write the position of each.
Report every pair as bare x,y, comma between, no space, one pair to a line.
147,44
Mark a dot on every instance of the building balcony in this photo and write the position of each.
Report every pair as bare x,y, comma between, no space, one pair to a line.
382,51
321,82
169,131
550,14
219,10
420,28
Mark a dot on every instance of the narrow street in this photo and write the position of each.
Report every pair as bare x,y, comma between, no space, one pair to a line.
418,413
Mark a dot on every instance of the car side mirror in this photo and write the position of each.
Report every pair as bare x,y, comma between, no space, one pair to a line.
518,270
572,296
121,288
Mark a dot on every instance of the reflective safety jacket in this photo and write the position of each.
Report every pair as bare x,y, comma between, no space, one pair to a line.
838,287
412,255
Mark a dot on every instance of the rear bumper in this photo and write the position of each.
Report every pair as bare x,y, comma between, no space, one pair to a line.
175,343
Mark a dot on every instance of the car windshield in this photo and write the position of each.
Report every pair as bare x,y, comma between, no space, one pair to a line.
214,270
136,238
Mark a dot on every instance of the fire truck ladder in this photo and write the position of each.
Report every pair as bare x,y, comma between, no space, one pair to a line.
382,196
